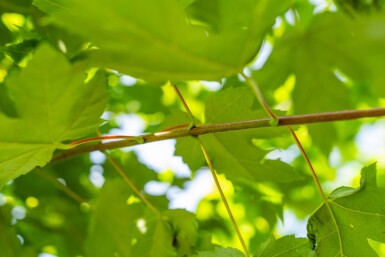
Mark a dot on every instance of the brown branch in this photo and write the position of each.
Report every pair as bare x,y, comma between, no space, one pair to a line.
227,126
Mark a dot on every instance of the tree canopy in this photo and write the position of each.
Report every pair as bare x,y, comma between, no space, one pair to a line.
282,132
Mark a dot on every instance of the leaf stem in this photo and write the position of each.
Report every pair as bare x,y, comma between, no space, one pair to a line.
184,131
132,184
214,175
192,125
223,197
69,192
318,184
308,162
255,88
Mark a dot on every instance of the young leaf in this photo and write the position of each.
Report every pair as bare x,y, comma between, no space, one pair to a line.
153,39
287,246
356,215
54,104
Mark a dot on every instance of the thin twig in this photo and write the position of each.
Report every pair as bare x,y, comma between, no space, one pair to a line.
184,131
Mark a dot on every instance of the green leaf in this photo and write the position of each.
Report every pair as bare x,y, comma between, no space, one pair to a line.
113,224
315,52
173,233
287,246
54,105
360,6
231,149
139,173
319,132
157,240
236,104
71,44
311,54
10,245
239,159
58,220
188,148
186,3
185,230
234,154
6,104
263,201
20,50
221,252
6,35
148,96
152,39
356,215
191,152
128,229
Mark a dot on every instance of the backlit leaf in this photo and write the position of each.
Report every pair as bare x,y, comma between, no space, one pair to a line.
114,221
10,246
323,55
132,37
185,230
54,105
234,154
357,214
173,233
287,246
188,148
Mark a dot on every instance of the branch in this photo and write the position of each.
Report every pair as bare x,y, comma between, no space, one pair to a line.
185,131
